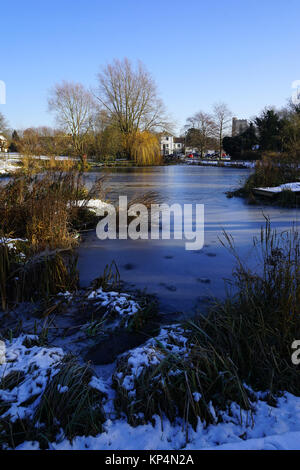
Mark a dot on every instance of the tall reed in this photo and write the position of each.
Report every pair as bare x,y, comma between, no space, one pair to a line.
243,344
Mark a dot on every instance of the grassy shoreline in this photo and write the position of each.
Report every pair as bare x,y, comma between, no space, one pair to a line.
271,171
193,371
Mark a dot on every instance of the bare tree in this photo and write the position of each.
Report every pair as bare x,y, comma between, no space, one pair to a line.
3,125
74,107
200,128
222,118
130,96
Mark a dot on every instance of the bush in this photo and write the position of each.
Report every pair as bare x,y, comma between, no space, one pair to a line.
272,170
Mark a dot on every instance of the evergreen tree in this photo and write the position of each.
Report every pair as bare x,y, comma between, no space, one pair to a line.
269,127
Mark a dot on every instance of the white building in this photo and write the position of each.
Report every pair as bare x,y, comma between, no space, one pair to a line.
171,145
3,144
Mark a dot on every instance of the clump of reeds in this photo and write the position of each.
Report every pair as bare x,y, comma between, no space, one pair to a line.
44,208
242,345
257,326
45,212
109,280
68,404
59,165
77,409
190,381
146,199
30,165
273,170
42,275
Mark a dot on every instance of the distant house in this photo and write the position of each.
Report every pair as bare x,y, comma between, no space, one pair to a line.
171,145
3,144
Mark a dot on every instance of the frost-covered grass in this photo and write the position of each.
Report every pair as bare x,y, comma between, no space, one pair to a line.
209,384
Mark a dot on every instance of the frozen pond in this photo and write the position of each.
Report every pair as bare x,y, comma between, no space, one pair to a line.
182,280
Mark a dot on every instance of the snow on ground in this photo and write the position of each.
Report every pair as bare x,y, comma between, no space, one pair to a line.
267,428
11,242
33,365
7,167
12,245
294,187
96,205
239,163
272,428
115,302
171,340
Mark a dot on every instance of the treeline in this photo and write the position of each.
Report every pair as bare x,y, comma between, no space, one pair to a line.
122,117
205,131
272,133
102,144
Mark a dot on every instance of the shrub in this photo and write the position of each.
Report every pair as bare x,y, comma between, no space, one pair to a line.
272,170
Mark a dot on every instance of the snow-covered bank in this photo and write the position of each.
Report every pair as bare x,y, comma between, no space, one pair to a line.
34,366
95,205
272,428
223,163
293,187
7,166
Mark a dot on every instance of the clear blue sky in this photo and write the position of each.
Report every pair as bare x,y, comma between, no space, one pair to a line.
242,52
